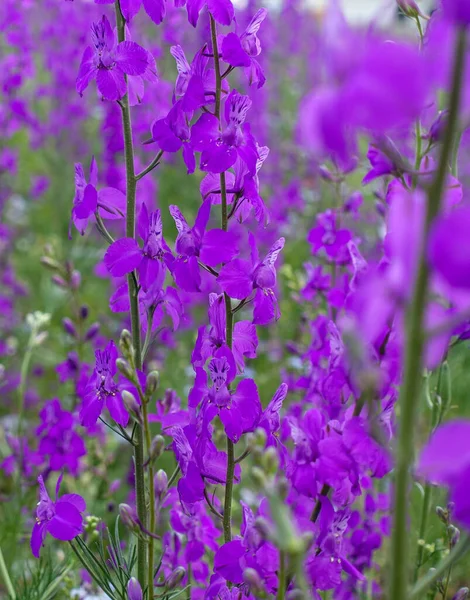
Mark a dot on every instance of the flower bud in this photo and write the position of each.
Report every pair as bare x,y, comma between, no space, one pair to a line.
410,8
75,280
157,447
124,368
160,483
454,535
92,331
83,312
69,327
128,517
50,263
174,578
134,591
132,406
461,594
436,131
151,383
252,578
259,477
59,281
442,514
125,344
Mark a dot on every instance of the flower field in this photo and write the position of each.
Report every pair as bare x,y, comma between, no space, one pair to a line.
235,301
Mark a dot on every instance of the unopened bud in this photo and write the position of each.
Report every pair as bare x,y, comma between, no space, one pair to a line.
92,331
151,383
50,263
461,594
436,131
259,477
174,578
59,281
134,591
252,578
125,344
83,312
128,517
132,406
75,280
69,327
157,447
160,483
442,514
454,535
124,368
410,8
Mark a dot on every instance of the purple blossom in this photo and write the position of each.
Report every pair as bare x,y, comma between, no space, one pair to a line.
220,150
102,390
239,278
150,261
109,62
61,518
109,202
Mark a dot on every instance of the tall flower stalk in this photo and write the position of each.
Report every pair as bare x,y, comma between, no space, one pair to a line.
415,339
131,186
227,521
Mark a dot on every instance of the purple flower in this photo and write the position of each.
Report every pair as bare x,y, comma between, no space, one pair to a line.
134,591
109,62
211,340
457,11
239,51
172,132
239,278
62,518
221,10
328,237
151,261
109,202
449,247
192,243
239,411
381,165
103,391
445,460
58,438
220,150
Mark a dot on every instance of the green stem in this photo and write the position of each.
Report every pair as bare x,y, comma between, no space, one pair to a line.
131,185
6,577
151,473
422,527
227,523
414,350
457,553
282,579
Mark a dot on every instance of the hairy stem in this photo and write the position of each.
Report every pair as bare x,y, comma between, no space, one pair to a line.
131,185
228,302
414,349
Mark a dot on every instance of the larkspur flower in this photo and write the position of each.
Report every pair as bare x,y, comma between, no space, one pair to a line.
151,261
239,278
220,150
110,62
108,201
61,518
